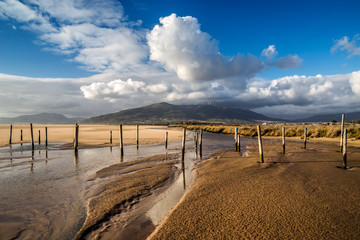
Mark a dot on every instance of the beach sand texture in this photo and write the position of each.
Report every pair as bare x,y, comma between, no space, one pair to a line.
302,195
90,135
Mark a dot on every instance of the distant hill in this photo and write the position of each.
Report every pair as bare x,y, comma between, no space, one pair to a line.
353,116
168,113
41,118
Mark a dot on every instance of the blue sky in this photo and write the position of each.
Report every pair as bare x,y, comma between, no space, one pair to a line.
281,58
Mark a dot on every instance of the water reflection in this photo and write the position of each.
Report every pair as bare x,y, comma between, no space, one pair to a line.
56,192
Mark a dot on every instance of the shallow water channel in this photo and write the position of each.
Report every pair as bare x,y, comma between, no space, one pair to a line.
43,193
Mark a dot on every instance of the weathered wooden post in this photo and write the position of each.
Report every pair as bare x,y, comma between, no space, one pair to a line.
137,135
283,139
76,139
235,139
39,138
305,136
121,141
344,149
21,137
342,132
200,143
166,140
32,137
46,137
260,144
11,127
238,143
110,137
183,141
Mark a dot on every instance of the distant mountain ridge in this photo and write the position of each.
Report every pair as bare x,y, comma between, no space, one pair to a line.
352,116
168,113
41,118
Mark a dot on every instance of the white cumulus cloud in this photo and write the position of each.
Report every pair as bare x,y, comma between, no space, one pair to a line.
180,45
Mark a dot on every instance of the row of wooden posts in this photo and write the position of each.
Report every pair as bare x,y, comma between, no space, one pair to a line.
343,141
197,140
31,136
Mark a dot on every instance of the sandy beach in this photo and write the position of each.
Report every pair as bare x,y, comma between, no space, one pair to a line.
304,194
90,135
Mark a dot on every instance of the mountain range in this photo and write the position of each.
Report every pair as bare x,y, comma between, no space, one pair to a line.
168,113
41,118
353,116
164,113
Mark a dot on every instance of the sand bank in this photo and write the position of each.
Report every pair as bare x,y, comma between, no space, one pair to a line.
90,135
302,195
127,183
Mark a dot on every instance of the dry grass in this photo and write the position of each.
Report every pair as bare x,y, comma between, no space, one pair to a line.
313,131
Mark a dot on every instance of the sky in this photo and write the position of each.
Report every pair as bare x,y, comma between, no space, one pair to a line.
82,58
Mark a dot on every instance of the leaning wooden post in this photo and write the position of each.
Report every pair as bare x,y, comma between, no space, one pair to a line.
121,141
166,140
283,139
342,132
260,144
235,139
110,137
39,138
11,127
46,137
76,140
32,137
183,141
137,135
344,149
305,136
200,143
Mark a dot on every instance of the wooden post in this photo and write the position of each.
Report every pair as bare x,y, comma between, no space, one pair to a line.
32,137
166,140
235,139
21,136
76,139
11,127
342,132
283,139
137,135
46,137
39,138
183,140
121,141
238,143
260,144
110,137
344,149
200,143
305,136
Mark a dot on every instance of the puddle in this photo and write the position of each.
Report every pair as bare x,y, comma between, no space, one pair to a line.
43,192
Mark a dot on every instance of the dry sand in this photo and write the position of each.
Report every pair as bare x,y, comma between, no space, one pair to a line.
90,135
302,195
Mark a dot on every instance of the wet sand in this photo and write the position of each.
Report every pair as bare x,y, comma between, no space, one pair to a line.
128,184
302,195
90,135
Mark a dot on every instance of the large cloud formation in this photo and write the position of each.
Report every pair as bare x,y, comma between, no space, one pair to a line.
93,33
180,45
